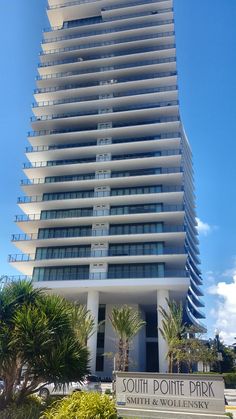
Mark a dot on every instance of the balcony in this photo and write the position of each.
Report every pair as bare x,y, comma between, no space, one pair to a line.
99,86
35,236
115,95
39,198
108,31
110,42
95,128
142,155
120,175
113,68
134,3
71,3
122,140
35,204
111,110
99,254
38,217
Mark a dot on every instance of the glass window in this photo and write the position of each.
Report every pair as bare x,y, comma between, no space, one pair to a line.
61,273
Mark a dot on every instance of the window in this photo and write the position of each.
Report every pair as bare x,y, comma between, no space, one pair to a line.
70,213
62,252
143,228
67,195
138,270
68,178
135,209
151,324
63,273
47,233
136,190
125,249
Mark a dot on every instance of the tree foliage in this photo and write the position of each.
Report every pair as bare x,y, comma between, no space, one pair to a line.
38,341
126,323
172,328
83,323
185,345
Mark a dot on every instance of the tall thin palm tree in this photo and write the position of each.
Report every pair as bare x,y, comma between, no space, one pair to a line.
173,328
126,322
83,323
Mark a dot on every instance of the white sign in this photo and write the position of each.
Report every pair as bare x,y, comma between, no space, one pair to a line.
171,392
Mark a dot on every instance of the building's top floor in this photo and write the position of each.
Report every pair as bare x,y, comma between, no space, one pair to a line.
60,11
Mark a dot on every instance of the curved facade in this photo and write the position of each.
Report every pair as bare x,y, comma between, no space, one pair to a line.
109,208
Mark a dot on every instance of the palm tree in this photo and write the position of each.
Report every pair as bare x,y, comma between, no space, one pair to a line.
126,323
83,323
37,341
172,328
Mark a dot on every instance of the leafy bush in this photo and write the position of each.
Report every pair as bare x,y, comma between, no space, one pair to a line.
108,391
230,415
230,379
31,409
82,406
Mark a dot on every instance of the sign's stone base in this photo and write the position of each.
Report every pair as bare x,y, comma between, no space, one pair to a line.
161,414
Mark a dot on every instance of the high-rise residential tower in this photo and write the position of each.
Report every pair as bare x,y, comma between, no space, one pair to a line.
109,213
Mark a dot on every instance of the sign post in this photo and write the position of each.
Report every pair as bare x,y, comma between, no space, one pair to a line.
153,395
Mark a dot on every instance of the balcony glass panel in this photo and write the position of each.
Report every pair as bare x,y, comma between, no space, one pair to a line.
67,195
49,233
135,249
61,273
63,252
136,190
143,228
69,213
70,86
138,270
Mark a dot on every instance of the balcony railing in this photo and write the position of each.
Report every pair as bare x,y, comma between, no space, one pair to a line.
71,3
113,67
133,3
130,15
40,148
73,255
77,2
108,31
78,85
94,127
41,181
39,198
114,95
38,164
112,109
101,44
38,217
35,236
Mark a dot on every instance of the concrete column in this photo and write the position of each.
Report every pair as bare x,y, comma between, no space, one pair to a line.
162,345
93,305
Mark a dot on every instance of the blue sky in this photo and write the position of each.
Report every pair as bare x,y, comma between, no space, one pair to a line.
206,59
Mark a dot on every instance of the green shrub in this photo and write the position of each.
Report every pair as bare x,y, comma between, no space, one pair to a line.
230,415
82,406
31,409
108,391
230,379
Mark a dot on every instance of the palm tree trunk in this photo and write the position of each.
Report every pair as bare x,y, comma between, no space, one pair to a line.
120,355
126,355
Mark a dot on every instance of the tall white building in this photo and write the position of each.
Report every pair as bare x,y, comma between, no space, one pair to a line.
109,213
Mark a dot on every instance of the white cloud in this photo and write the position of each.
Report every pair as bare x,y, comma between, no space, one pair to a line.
225,310
203,228
210,277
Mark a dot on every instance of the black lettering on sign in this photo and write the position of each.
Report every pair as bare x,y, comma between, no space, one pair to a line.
201,389
137,385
